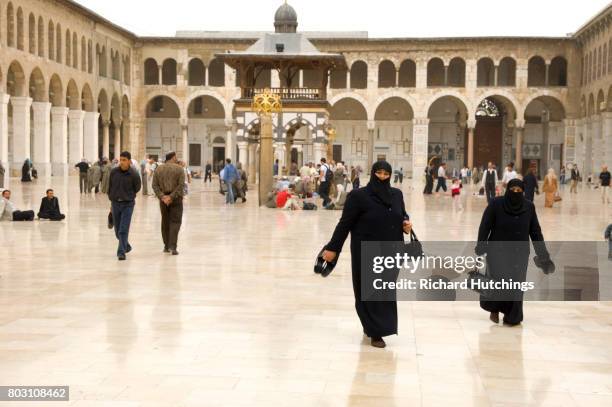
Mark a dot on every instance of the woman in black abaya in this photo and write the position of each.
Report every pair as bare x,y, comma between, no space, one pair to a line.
373,213
25,171
509,218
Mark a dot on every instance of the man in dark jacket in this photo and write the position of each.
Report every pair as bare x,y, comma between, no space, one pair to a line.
604,179
531,184
575,178
49,207
83,167
489,179
168,184
123,185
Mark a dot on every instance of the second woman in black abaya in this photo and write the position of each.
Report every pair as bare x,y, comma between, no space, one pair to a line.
373,213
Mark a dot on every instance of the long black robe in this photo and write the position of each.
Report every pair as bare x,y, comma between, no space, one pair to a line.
49,209
509,261
367,218
428,181
531,185
25,172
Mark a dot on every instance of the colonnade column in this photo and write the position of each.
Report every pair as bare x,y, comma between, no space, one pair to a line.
243,153
607,138
519,127
230,142
266,157
470,147
21,131
117,140
420,138
75,130
371,130
4,99
184,140
41,150
495,76
106,138
90,136
569,141
252,163
59,140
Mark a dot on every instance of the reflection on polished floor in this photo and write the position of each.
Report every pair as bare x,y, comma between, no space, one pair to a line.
239,319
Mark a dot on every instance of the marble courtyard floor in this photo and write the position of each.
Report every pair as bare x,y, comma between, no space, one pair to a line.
239,318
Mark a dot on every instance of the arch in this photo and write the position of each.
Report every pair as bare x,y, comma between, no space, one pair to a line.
41,37
456,72
20,34
600,106
87,101
103,106
51,40
151,72
58,43
538,105
227,106
115,113
407,74
10,25
68,42
348,108
505,99
205,107
360,99
460,103
536,71
506,73
56,91
36,86
196,72
485,72
169,72
73,99
394,108
386,74
32,34
162,105
216,73
15,80
557,72
337,78
359,75
435,72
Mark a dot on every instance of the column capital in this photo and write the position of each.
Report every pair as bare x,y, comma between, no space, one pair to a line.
519,123
471,123
570,122
606,115
105,123
76,114
230,122
420,121
242,144
4,98
41,106
59,111
371,124
21,101
184,122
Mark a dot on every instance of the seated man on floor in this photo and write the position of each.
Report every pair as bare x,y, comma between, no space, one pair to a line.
286,199
49,207
8,211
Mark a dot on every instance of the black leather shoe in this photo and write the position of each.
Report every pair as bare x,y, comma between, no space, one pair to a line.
174,252
378,343
121,257
494,317
166,250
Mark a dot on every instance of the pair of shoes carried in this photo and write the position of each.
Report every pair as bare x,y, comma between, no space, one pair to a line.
378,342
494,317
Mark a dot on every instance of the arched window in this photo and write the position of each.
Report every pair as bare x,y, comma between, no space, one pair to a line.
485,75
604,67
435,72
359,75
102,64
151,72
407,74
51,40
68,48
557,72
197,72
10,25
75,51
216,73
127,75
536,71
337,79
89,56
20,33
169,72
58,43
456,72
506,73
32,34
386,74
83,54
41,38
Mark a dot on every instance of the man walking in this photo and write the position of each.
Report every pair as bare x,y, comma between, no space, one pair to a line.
441,178
490,180
574,177
230,176
168,183
83,167
123,185
604,179
325,177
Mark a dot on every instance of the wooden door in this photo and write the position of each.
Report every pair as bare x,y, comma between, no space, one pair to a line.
488,142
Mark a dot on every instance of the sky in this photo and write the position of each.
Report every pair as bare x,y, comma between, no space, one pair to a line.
381,18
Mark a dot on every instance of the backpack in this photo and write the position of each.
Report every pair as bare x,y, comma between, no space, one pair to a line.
309,206
329,176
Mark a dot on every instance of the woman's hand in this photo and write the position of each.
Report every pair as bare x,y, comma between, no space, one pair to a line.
329,256
407,226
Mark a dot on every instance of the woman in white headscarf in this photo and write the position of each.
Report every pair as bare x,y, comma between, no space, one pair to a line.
550,188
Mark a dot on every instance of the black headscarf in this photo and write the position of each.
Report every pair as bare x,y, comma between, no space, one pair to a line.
514,202
382,189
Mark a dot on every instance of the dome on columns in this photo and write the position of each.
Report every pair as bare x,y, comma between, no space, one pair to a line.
285,19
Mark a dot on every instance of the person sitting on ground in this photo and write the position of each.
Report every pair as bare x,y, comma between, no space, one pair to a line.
49,207
292,201
271,199
339,203
8,211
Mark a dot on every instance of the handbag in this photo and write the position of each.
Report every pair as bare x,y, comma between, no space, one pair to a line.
110,220
415,247
476,275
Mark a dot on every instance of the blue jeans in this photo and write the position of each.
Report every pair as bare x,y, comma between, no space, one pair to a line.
229,197
122,217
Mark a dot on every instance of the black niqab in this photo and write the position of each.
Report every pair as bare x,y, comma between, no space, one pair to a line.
514,202
382,189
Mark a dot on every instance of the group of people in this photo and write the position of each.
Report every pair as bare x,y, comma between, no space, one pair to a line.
49,208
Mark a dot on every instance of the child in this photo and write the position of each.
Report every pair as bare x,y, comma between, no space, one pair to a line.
608,236
456,193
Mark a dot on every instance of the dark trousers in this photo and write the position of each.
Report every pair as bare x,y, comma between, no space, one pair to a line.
54,216
324,192
171,218
83,182
441,184
23,215
208,177
122,217
490,192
